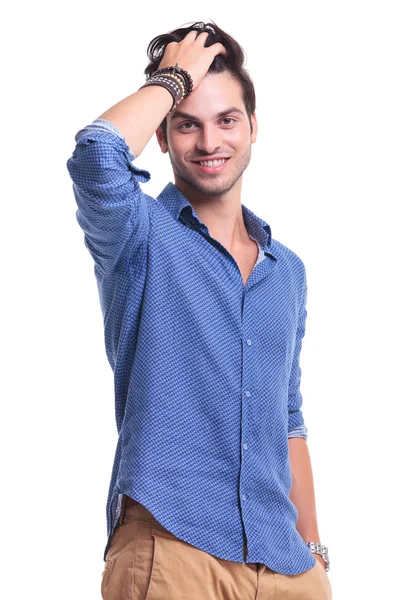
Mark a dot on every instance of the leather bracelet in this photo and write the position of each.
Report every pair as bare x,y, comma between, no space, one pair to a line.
177,70
180,82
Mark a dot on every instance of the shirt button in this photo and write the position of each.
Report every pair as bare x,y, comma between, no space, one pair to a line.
248,342
248,393
245,446
244,497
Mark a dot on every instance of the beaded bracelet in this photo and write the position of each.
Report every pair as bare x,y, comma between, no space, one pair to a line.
187,79
179,80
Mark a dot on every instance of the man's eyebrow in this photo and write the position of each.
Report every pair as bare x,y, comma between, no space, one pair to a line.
179,114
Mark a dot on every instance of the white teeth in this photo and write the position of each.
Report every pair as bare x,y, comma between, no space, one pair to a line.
213,163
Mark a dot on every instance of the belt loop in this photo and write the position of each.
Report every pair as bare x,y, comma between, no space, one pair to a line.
123,503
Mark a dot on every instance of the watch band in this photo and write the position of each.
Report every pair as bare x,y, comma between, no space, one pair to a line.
317,548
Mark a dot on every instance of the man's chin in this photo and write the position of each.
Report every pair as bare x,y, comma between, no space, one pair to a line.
210,188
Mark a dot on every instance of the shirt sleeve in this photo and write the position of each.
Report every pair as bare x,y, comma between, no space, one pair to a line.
299,432
296,425
113,211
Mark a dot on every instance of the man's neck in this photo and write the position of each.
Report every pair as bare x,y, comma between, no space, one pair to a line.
222,214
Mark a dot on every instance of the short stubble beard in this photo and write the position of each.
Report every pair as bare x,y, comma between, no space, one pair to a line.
215,185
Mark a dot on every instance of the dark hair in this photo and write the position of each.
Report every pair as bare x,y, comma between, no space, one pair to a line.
232,62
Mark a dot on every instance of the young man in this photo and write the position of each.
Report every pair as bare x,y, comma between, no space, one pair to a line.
211,494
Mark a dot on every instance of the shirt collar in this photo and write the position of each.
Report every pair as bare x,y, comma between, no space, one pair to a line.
175,202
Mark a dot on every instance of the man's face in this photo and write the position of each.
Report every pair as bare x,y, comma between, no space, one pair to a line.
215,125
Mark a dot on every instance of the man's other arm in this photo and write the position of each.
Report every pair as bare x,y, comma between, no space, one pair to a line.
302,492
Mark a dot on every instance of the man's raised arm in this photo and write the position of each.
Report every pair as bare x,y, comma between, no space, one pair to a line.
113,212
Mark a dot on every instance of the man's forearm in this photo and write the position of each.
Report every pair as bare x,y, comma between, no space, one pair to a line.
302,491
138,116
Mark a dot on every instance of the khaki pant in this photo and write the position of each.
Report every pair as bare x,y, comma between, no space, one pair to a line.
147,562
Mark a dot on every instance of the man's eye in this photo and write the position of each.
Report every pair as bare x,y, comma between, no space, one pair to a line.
225,121
182,126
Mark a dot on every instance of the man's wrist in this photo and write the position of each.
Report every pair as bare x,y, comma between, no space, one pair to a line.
321,552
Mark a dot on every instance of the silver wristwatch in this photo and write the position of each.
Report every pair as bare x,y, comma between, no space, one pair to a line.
322,551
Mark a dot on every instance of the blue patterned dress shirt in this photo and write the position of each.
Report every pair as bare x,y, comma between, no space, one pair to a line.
206,369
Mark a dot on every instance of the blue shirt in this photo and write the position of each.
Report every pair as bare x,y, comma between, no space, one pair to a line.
206,369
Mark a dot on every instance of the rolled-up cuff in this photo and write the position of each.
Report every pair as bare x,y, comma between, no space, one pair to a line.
299,432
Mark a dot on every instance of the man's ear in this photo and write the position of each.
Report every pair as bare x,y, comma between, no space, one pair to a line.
255,128
161,140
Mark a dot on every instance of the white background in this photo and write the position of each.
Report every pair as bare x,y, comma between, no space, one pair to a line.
324,174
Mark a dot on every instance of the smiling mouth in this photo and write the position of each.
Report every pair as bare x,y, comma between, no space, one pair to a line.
211,163
211,166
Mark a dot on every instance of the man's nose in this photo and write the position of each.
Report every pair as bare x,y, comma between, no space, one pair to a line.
209,140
